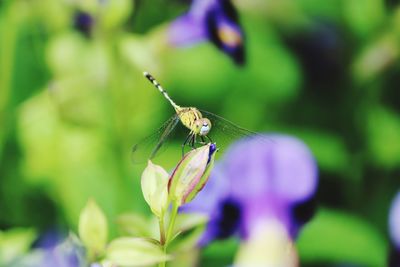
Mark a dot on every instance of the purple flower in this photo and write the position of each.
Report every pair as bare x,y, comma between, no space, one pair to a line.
394,229
54,249
259,179
58,250
83,22
213,20
65,254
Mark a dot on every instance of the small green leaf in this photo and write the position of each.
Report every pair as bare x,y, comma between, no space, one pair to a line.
130,251
186,221
186,241
14,243
135,225
187,231
93,229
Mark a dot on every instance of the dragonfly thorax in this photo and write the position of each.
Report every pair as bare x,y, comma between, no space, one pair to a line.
193,120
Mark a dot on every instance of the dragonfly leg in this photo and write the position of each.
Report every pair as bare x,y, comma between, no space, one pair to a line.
209,138
184,143
203,141
192,141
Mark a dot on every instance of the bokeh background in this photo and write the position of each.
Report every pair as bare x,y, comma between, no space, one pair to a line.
73,102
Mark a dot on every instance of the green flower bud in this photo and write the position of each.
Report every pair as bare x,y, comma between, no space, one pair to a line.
154,188
191,174
93,229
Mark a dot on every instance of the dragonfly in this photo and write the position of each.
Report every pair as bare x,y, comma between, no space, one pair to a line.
200,124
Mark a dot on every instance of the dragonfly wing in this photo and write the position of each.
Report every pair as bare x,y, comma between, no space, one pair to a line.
150,146
224,132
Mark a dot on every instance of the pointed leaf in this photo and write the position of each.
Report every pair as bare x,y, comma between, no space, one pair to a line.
135,225
93,229
185,221
130,251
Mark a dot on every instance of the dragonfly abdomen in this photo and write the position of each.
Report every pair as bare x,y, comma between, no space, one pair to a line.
159,87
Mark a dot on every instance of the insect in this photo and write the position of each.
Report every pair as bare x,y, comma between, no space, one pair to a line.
200,124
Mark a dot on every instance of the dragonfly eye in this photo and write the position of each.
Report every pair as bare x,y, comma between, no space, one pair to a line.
205,127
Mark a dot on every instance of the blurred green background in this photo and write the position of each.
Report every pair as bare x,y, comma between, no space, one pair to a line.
72,105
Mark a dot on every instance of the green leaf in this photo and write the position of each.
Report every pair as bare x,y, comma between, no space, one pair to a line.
93,229
14,243
188,229
220,252
364,16
130,251
187,221
383,128
375,58
185,241
116,12
136,225
338,237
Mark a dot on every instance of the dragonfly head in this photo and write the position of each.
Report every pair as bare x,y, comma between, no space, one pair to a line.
203,126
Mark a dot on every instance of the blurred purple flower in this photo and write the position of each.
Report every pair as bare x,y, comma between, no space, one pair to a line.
65,254
54,249
83,22
213,20
258,180
394,230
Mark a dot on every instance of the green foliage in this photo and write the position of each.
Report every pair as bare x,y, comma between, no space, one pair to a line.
14,243
130,251
147,247
340,237
73,104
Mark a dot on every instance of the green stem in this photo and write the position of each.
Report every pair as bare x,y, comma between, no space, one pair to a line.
171,225
162,230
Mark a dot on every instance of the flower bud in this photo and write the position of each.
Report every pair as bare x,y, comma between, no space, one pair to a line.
154,187
191,174
93,228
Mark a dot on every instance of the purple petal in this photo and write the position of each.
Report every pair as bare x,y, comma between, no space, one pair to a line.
394,221
258,209
211,201
271,178
224,31
83,22
283,167
186,30
200,8
212,194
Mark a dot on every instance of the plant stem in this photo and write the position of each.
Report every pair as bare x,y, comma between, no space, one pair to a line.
171,225
162,230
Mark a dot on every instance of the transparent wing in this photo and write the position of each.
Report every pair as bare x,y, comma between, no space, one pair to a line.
224,132
150,146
